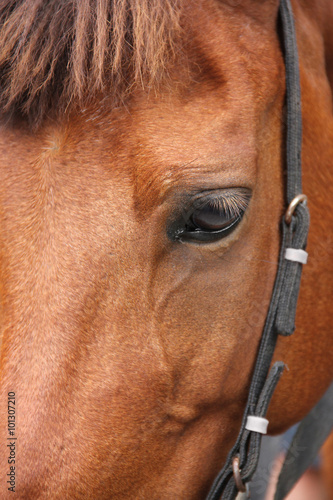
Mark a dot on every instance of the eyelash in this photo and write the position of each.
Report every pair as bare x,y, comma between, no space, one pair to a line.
233,203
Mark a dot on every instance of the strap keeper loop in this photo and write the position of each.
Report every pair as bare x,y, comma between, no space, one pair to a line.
296,255
256,424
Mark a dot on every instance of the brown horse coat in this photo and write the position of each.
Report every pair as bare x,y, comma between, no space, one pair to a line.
129,352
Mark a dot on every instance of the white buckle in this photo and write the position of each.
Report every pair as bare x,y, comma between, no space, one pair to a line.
296,255
256,424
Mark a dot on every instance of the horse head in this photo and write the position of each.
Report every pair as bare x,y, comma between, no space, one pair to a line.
142,188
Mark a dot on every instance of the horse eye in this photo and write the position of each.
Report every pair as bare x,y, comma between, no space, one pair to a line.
211,216
212,219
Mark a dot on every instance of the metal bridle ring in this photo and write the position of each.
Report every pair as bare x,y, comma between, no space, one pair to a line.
293,204
237,477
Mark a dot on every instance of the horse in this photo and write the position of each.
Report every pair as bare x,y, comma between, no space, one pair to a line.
142,187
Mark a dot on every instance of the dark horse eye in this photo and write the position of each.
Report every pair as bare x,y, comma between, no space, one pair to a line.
212,219
212,216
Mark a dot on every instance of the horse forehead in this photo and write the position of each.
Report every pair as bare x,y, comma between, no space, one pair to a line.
217,112
159,147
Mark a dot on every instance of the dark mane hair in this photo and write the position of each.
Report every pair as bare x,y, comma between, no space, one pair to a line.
57,52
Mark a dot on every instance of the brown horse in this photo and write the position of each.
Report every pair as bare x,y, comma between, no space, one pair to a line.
142,187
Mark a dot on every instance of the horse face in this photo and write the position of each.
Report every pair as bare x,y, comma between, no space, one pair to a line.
128,336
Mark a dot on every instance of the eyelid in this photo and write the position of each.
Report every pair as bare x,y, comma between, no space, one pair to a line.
231,201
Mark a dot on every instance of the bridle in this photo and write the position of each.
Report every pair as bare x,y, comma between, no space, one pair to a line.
242,460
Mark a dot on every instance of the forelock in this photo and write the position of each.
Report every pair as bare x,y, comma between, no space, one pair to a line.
58,52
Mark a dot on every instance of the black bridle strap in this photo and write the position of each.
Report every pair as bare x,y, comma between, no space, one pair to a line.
294,105
281,314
